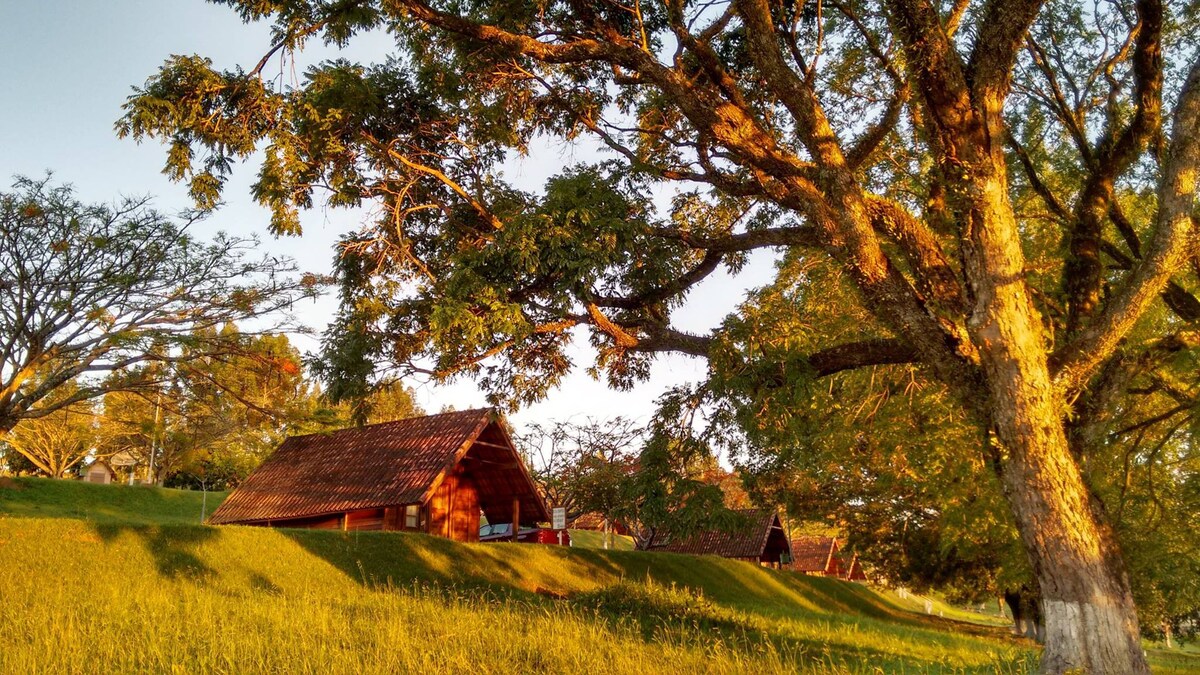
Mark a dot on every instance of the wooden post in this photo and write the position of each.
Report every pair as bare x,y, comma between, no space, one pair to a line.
345,521
516,526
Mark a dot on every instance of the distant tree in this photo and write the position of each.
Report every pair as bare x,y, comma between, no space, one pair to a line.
90,292
13,462
218,414
56,442
663,489
385,402
564,455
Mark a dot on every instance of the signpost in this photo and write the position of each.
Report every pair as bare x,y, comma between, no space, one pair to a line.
560,521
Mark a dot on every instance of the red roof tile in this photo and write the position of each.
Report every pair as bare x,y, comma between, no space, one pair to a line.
367,467
749,541
812,554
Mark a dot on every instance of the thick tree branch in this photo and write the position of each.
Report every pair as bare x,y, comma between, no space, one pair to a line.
1169,249
678,286
935,277
1083,275
861,354
1002,30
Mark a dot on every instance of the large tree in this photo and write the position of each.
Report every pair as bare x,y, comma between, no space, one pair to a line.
89,292
1008,185
559,454
59,441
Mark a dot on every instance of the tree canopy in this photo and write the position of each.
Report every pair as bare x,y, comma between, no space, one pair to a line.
92,292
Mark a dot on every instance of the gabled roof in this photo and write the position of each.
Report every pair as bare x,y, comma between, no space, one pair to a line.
813,554
387,464
749,541
854,571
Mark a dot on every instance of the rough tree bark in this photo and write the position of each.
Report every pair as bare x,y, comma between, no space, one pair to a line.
1087,608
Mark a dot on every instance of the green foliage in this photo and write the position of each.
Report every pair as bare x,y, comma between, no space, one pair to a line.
210,420
883,456
578,465
212,417
95,293
658,490
57,443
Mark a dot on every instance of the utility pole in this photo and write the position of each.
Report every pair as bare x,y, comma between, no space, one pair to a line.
154,437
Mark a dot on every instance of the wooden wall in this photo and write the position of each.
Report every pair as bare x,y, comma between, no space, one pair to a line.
330,522
452,512
454,508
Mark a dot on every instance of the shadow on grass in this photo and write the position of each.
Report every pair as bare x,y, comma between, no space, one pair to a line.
174,548
752,602
660,614
394,560
738,607
262,584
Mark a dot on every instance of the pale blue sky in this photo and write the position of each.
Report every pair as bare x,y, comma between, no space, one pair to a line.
68,67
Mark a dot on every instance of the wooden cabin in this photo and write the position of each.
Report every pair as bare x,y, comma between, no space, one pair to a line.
817,556
434,474
854,570
761,540
99,472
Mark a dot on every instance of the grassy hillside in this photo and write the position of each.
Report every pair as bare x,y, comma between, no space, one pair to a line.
103,595
144,505
139,504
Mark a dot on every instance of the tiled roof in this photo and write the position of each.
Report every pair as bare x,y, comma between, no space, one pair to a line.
588,521
366,467
812,554
746,542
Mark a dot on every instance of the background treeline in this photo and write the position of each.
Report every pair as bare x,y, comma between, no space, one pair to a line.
194,422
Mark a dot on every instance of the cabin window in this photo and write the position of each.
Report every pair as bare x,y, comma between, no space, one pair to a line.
411,515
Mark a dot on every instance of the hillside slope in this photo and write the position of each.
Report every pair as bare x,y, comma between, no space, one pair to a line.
138,504
101,595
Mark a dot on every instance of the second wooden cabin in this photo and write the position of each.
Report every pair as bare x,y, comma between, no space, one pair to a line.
759,539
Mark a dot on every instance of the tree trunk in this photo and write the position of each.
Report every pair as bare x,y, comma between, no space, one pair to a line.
1013,600
1087,612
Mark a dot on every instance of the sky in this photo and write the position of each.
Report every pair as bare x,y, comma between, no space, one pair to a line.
69,66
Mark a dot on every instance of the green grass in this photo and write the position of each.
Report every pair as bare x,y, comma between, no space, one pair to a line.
101,591
916,603
77,500
594,539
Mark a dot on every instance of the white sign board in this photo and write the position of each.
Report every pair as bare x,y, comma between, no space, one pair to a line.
560,518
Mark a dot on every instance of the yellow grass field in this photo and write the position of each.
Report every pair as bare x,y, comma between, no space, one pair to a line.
104,594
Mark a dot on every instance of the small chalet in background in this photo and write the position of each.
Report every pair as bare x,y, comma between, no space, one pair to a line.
817,556
594,521
854,571
99,472
433,474
762,540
